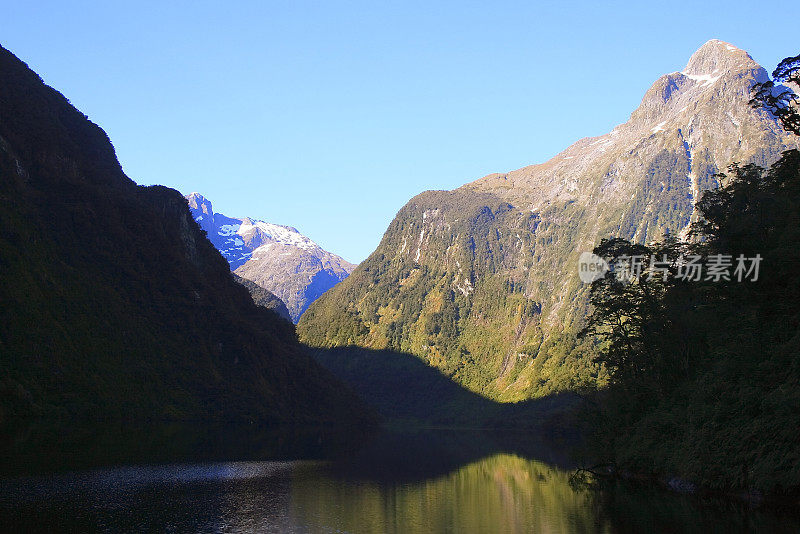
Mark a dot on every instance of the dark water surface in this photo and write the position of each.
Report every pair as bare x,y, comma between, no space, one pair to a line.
243,480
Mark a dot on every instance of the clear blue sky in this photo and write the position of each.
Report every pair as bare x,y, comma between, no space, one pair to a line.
329,116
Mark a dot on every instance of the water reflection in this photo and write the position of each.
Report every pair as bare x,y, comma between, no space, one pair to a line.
398,483
502,493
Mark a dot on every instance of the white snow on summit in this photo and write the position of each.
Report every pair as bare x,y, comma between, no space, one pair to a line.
275,257
285,235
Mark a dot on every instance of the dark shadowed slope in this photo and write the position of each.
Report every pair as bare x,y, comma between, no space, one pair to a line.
112,301
406,391
263,297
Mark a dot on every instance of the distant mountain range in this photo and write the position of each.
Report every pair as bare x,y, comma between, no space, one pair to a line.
482,282
113,304
276,258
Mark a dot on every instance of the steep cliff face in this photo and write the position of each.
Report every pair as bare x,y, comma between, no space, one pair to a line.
482,282
113,303
275,257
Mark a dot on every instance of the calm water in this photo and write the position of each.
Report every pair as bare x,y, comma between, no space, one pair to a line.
443,481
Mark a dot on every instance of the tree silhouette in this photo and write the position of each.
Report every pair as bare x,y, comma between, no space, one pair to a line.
704,373
779,99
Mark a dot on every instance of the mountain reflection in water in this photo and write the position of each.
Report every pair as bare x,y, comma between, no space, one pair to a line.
404,482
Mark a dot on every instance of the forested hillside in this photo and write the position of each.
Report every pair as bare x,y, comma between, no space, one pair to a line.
113,304
482,282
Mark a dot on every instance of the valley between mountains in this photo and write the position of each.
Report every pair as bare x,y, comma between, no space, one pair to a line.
130,303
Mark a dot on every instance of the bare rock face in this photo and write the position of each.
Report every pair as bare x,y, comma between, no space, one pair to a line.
482,282
277,258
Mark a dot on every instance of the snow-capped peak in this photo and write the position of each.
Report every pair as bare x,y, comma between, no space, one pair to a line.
276,257
284,235
237,239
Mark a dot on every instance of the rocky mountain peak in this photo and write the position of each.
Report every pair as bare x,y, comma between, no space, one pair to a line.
716,70
200,203
717,56
457,271
701,115
275,257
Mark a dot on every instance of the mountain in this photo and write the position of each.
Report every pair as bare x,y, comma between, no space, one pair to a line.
277,258
481,282
114,304
264,297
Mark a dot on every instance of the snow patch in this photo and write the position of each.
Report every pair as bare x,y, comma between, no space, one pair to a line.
705,80
659,127
228,229
280,234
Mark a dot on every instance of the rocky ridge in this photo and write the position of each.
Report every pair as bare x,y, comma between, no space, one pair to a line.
277,258
481,282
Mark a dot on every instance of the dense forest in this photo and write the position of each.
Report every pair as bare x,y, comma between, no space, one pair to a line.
466,307
702,343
